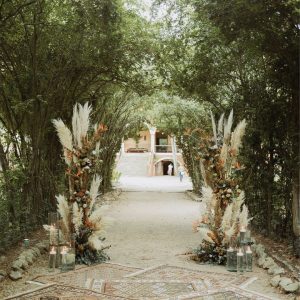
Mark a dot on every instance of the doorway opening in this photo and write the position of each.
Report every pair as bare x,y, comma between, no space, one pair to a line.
166,167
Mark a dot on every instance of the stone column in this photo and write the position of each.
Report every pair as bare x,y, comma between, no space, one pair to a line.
123,147
174,152
152,140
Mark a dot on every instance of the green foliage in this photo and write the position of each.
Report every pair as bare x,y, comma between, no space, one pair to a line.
54,53
244,54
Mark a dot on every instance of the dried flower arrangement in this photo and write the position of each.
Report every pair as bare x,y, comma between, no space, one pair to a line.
223,212
80,214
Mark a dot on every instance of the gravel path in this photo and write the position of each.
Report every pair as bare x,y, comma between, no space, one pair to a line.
152,228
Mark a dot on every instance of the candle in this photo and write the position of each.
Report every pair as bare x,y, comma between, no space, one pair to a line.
63,254
52,259
240,261
248,259
242,233
26,243
67,259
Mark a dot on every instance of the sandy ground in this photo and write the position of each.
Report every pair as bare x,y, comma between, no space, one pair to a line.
154,184
153,228
150,228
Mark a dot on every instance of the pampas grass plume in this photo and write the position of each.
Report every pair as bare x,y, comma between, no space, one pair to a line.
214,126
227,127
64,134
94,190
226,221
77,216
243,217
220,124
63,209
80,122
237,135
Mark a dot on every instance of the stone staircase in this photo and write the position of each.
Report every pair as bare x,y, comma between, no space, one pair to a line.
133,164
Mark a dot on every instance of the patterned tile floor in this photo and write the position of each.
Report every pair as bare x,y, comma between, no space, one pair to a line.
79,277
228,293
114,281
215,280
60,292
147,289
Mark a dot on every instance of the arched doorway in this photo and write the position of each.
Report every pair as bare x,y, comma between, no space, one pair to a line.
166,164
162,165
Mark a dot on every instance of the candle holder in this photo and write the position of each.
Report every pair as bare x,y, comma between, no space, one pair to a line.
52,258
231,263
240,261
249,259
53,222
242,234
68,256
26,243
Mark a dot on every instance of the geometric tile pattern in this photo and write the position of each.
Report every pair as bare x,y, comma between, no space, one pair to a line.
78,277
114,281
60,292
228,293
213,280
147,289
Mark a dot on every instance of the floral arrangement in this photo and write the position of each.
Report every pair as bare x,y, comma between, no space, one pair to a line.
81,216
223,212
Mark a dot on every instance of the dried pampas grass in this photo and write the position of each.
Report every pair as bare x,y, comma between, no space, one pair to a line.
94,189
237,135
207,197
80,122
214,126
229,234
220,124
95,242
77,216
226,220
243,217
64,134
236,206
224,154
63,209
204,233
227,127
97,215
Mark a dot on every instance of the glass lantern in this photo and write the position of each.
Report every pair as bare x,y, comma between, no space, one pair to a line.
52,258
249,259
240,261
67,254
231,263
53,222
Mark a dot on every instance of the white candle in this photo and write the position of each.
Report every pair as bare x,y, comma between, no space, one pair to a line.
248,250
240,253
63,254
52,258
242,233
52,251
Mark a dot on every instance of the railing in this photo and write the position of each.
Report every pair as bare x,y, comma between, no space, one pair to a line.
163,148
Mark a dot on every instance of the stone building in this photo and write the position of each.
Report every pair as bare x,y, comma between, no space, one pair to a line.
160,147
